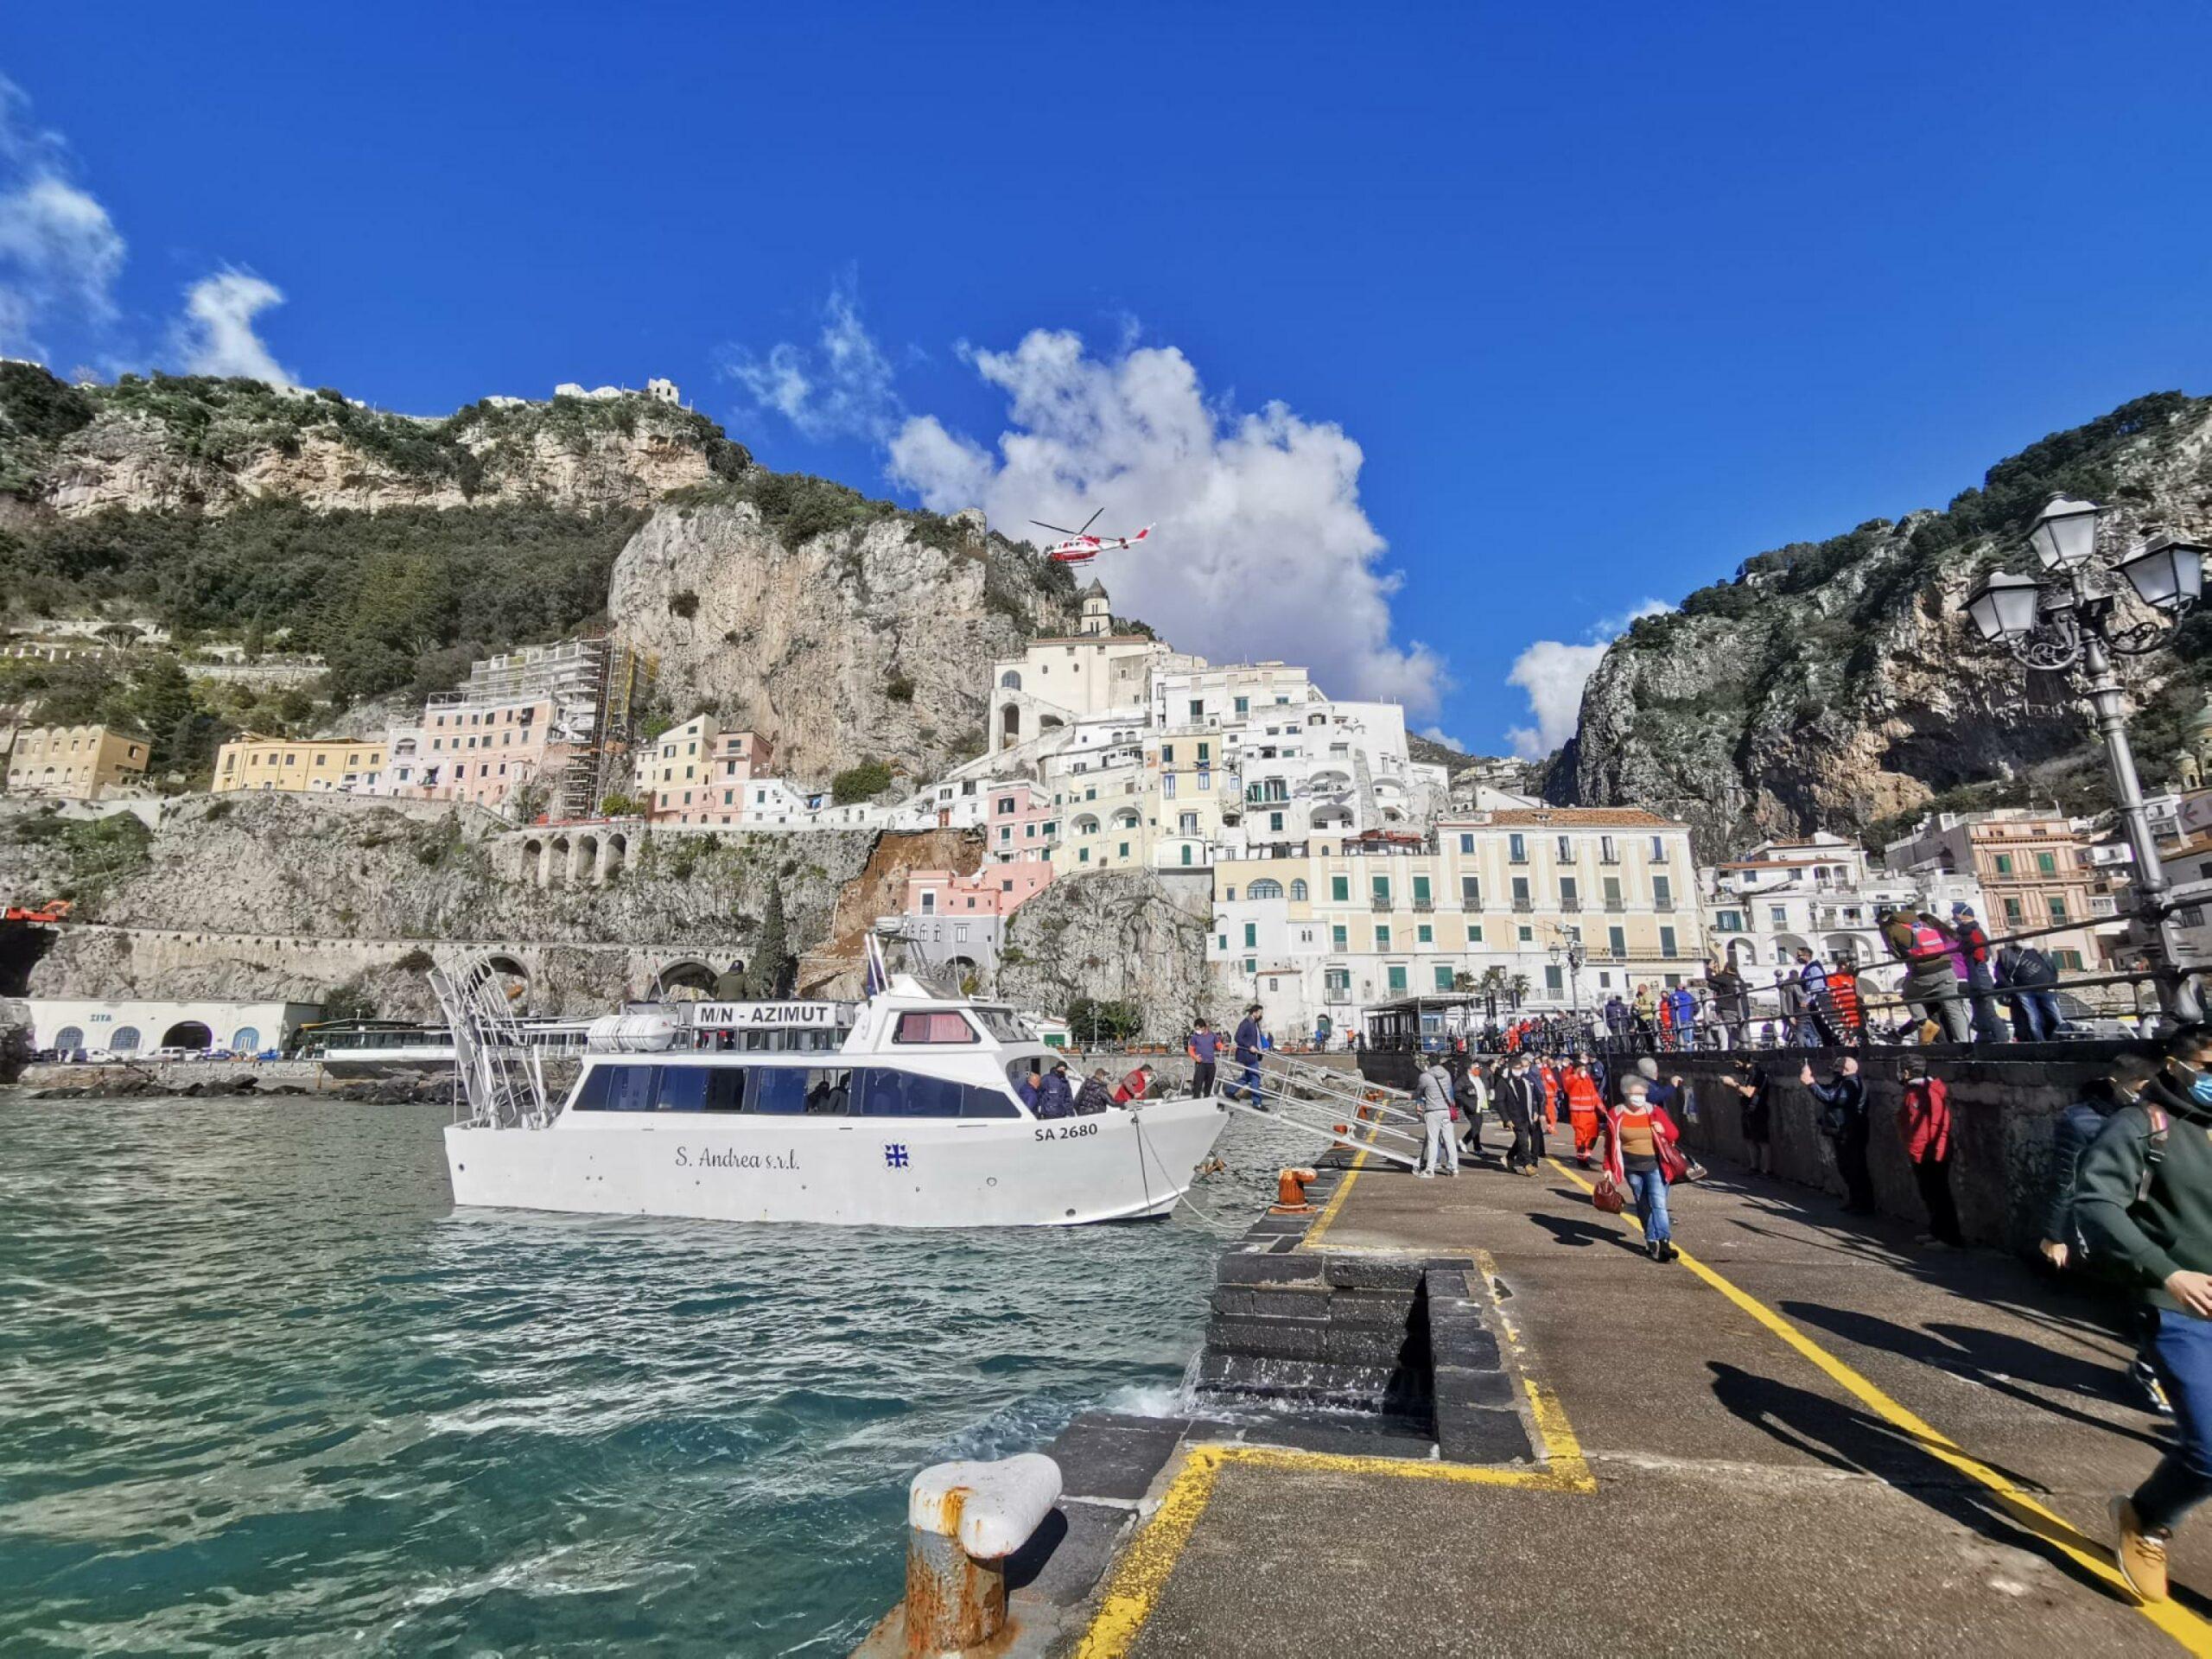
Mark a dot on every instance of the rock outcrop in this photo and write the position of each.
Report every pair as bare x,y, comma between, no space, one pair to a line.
257,896
1120,936
176,444
844,629
1834,685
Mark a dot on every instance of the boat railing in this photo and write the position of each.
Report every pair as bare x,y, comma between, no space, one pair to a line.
499,1074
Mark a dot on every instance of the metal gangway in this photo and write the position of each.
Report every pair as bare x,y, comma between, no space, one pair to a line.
1345,1112
498,1073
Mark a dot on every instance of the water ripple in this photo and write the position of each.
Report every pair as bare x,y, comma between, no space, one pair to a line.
262,1388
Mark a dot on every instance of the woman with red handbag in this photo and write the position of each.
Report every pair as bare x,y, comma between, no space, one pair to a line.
1639,1150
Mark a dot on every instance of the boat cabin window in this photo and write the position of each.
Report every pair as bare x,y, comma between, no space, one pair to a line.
802,1090
881,1092
700,1088
661,1087
945,1026
1002,1025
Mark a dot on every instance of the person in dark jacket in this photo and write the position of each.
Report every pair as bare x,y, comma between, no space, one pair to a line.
1094,1096
1754,1104
1523,1115
1845,1122
1204,1049
2026,973
1248,1039
2144,1200
2180,1077
1054,1097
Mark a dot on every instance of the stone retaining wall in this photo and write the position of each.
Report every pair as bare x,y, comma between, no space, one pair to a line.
2004,1098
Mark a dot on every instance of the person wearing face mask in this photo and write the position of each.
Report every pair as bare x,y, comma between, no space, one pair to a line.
2182,1079
2062,1244
2144,1203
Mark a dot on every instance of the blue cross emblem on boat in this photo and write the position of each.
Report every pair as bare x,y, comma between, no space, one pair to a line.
894,1156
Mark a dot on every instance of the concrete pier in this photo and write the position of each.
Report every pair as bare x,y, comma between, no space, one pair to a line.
1810,1435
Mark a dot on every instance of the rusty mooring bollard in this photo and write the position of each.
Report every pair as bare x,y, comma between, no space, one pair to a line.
963,1520
1290,1191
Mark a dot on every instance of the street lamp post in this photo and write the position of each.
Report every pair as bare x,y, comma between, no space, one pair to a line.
1566,945
2068,618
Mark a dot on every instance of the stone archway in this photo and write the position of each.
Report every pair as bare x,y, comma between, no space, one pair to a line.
614,857
689,980
1009,726
559,855
533,861
583,862
188,1033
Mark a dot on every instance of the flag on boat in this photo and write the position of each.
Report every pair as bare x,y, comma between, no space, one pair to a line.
879,976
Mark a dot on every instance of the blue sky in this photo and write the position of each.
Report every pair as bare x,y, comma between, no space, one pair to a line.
1430,334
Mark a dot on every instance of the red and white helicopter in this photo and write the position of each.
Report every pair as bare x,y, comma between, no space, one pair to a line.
1081,546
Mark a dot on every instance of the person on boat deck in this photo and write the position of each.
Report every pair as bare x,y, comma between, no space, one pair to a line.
1248,1035
1054,1097
1135,1086
1030,1081
1093,1096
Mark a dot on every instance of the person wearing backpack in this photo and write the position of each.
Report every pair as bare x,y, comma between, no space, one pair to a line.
2142,1200
1924,1120
1845,1122
1930,987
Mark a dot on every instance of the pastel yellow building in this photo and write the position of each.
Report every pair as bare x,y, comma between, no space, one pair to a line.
302,765
75,763
1573,904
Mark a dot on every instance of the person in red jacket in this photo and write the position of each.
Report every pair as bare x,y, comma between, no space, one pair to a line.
1924,1120
1134,1086
1584,1104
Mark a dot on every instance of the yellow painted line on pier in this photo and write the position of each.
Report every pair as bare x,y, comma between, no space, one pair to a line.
2059,1535
1327,1219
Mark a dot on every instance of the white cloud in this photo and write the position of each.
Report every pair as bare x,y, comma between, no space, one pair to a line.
839,387
1260,548
1438,734
1552,673
216,334
60,252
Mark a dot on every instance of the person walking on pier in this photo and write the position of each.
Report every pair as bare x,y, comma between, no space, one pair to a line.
2027,974
1473,1095
1516,1104
1931,988
1980,958
1584,1105
1433,1093
1845,1122
2145,1200
1204,1050
1639,1136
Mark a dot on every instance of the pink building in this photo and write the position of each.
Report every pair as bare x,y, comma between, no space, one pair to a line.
479,753
696,773
1014,866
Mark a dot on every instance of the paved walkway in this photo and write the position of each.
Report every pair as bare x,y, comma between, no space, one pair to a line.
1817,1438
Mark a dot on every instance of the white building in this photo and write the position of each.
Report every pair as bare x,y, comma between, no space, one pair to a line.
134,1028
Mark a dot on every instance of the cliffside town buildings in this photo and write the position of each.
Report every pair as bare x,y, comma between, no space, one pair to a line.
1337,872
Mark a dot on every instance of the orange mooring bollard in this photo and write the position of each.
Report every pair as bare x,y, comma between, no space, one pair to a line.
1290,1192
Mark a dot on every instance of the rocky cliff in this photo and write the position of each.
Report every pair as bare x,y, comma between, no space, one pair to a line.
254,896
845,629
172,443
1120,936
1838,685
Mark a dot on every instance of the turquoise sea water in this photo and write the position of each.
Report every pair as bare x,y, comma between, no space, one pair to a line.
262,1389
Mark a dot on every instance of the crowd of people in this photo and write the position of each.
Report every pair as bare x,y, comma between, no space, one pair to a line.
1958,986
2129,1207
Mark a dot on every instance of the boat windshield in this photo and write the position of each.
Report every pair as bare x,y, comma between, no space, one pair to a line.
1002,1025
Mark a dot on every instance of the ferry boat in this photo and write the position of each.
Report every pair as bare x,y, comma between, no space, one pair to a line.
906,1116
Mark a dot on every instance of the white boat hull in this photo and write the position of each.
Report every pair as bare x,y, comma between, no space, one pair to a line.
861,1172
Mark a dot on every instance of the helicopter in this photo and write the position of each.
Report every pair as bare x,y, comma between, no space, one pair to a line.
1081,546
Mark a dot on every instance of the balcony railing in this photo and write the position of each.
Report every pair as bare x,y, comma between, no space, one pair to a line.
1523,906
1615,906
1422,901
1381,903
1569,902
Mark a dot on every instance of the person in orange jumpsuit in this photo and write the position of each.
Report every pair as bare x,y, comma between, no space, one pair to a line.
1584,1104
